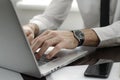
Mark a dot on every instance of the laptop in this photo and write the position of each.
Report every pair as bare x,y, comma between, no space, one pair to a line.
15,51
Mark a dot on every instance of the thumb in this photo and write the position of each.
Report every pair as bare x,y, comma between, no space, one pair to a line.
30,38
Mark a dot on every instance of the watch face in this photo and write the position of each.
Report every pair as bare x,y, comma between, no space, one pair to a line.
79,34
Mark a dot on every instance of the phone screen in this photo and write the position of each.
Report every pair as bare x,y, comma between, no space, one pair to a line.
101,70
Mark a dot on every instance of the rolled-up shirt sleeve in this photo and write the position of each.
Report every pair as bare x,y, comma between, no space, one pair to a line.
53,16
109,35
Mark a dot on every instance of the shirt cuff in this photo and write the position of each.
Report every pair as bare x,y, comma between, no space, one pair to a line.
106,36
42,23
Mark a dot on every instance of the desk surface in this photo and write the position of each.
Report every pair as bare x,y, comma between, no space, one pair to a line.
77,73
103,53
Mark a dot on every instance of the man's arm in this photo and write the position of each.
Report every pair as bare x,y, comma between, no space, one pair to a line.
104,36
53,16
101,37
109,35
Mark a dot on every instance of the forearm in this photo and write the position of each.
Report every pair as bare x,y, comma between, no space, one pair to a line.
90,37
53,16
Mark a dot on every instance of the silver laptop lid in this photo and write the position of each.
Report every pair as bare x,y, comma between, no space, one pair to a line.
15,53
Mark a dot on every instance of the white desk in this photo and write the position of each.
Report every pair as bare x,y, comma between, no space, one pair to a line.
77,73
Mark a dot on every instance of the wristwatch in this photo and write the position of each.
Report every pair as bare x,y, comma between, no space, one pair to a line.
79,35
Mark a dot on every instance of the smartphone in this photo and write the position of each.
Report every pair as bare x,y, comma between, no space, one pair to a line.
100,70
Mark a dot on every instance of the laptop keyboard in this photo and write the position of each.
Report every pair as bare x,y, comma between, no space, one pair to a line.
44,60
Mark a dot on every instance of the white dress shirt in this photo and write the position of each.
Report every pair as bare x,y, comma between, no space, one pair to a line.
57,11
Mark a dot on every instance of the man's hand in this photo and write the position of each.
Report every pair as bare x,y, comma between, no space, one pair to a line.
31,30
58,39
